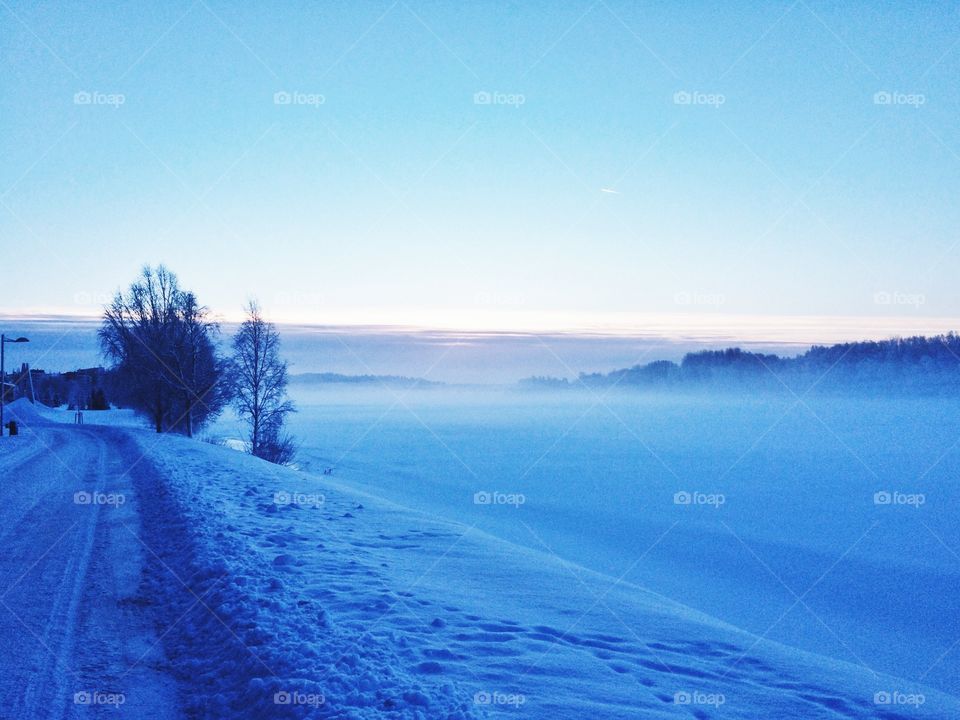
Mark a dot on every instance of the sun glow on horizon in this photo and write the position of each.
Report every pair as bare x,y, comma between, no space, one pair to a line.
700,327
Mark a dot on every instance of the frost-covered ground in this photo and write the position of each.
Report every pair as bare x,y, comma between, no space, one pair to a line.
277,593
802,548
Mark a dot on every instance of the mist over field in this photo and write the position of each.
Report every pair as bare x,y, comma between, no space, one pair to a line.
453,357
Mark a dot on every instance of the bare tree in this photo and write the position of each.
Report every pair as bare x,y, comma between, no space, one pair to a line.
197,372
260,387
160,341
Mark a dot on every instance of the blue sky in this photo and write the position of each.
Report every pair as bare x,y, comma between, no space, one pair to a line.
622,161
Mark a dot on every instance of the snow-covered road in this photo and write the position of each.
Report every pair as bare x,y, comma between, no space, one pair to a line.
74,630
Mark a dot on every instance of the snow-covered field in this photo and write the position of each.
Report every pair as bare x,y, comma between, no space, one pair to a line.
258,591
790,536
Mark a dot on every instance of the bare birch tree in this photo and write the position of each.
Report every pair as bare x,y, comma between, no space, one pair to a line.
260,387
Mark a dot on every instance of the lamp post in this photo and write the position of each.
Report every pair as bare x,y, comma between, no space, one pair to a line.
3,374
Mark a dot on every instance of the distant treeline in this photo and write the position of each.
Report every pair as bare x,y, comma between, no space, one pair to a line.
337,378
915,364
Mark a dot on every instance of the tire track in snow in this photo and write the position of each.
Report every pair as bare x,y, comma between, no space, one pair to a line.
14,466
72,616
59,632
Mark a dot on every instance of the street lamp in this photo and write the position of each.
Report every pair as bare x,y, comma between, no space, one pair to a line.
3,374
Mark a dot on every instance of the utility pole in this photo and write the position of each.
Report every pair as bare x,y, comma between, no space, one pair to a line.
33,393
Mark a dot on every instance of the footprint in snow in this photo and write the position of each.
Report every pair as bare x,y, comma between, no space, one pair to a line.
430,668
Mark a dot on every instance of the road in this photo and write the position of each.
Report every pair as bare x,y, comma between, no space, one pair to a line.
79,638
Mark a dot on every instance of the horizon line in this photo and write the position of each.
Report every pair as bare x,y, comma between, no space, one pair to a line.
669,327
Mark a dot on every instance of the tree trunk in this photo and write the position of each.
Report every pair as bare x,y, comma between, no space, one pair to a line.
189,418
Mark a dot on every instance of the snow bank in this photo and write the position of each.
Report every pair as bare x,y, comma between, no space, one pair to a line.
23,411
250,636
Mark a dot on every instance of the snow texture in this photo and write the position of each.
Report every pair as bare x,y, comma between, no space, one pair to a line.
263,592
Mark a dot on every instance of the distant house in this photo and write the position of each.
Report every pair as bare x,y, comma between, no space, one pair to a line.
83,388
91,375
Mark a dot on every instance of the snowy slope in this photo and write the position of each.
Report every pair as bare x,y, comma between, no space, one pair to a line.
799,517
279,594
386,612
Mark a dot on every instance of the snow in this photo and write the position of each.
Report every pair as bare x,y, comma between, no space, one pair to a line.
279,593
598,479
72,632
367,604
